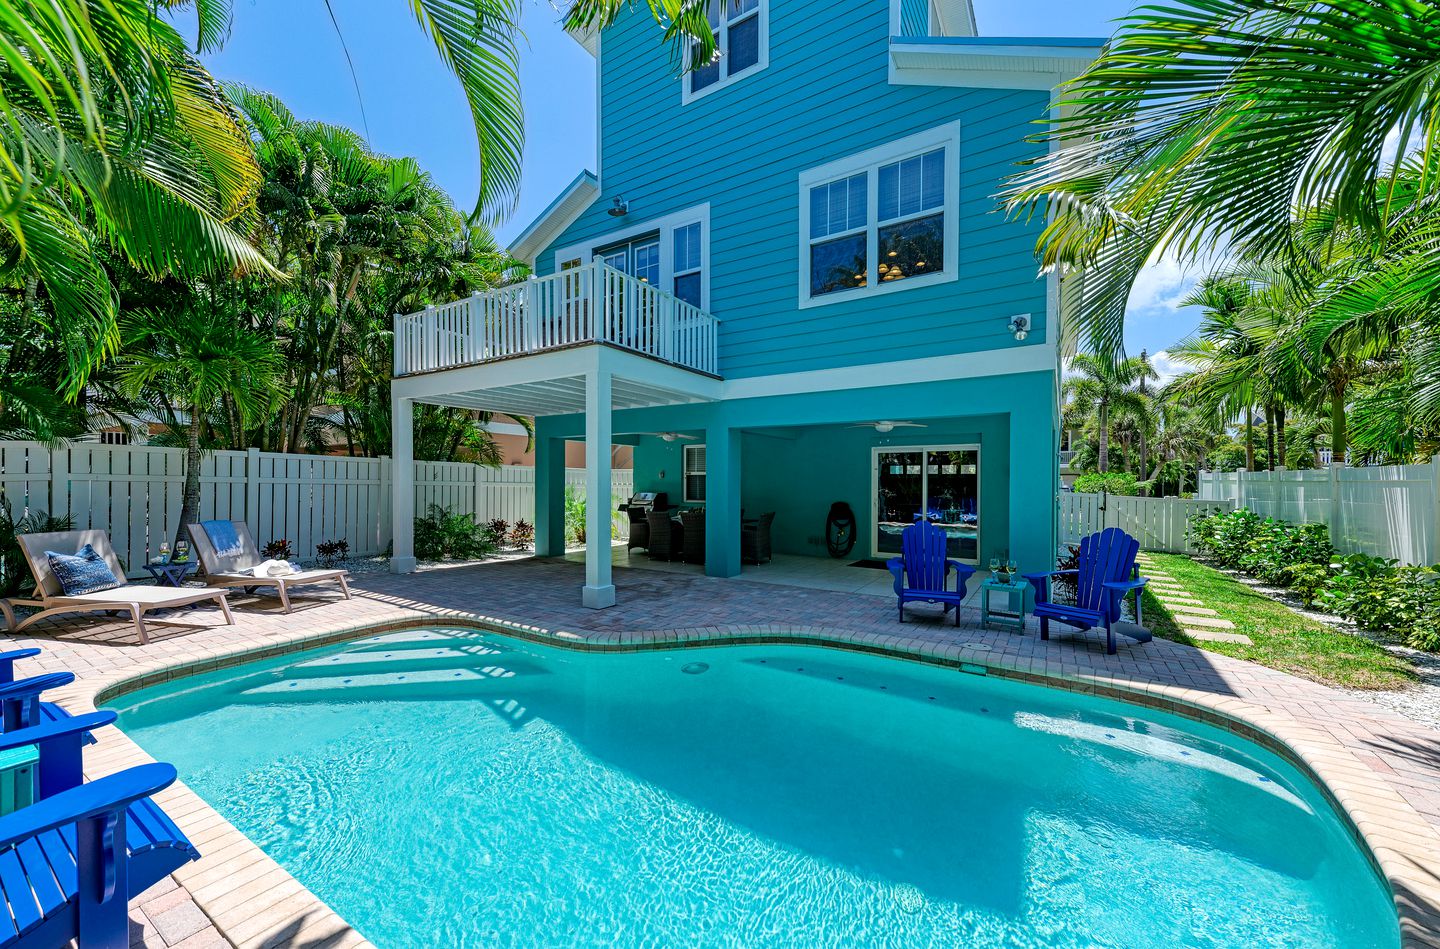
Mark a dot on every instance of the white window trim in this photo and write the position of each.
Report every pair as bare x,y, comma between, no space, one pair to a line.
687,97
946,136
584,251
685,473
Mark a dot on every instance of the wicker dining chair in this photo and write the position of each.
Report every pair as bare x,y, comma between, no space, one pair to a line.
665,544
694,522
755,539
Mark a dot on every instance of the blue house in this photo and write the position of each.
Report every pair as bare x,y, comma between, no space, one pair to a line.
787,284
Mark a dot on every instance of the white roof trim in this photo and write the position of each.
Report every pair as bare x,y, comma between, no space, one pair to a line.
562,212
1002,65
589,37
956,17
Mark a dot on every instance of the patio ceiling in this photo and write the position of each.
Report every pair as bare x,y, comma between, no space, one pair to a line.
553,383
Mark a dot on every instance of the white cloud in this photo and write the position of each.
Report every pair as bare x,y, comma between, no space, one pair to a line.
1159,288
1167,366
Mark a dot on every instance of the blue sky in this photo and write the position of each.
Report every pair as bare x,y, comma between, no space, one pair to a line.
407,104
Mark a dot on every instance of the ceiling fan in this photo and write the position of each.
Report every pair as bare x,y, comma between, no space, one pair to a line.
887,425
671,436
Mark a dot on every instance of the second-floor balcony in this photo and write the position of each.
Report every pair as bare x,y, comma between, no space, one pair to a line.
592,303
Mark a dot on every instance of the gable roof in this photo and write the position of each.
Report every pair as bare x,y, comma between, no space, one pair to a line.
562,212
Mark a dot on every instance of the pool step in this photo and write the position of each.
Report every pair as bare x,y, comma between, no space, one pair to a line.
503,684
429,657
469,640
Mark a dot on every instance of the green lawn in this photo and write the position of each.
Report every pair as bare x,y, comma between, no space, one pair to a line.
1283,639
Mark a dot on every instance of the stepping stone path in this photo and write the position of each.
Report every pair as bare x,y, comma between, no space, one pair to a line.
1195,619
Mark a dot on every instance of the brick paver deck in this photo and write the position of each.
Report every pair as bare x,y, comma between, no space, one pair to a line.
1382,769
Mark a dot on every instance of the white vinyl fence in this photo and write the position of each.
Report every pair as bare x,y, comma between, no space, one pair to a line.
1160,524
135,493
1385,511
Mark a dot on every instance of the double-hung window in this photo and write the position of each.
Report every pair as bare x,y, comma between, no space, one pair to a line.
740,42
881,221
687,263
694,474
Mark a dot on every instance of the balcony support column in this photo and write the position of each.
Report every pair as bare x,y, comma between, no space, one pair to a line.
402,483
722,501
599,591
549,492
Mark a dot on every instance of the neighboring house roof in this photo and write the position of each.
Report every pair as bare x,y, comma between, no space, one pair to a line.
992,61
561,213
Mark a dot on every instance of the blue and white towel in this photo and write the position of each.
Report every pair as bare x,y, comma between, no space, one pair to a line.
223,537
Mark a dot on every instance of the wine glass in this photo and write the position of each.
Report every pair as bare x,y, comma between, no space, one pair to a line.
1011,567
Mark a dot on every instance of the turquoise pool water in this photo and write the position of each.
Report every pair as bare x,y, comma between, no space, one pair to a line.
446,787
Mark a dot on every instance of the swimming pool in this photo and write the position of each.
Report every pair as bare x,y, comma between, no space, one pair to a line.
461,788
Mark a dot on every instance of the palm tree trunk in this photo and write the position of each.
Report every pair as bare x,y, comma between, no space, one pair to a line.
1103,462
1339,441
1269,437
190,504
1280,433
1249,439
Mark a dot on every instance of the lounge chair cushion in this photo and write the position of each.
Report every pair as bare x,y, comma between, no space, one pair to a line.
82,572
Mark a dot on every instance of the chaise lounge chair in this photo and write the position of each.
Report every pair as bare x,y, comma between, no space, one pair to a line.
234,567
125,597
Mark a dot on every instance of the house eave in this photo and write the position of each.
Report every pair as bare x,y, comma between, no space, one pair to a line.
989,62
552,222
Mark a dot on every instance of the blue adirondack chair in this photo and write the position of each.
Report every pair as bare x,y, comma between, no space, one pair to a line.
20,704
70,863
922,572
1107,561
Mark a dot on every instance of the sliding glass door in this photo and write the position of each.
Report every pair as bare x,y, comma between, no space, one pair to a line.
940,481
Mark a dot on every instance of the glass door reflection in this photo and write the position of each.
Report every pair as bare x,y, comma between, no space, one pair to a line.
941,482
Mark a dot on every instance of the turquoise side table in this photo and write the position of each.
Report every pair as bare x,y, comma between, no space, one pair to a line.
17,778
1003,603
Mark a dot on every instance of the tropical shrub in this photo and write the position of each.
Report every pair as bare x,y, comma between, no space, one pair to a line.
574,515
444,535
497,531
278,549
522,535
333,551
1113,482
1374,593
14,570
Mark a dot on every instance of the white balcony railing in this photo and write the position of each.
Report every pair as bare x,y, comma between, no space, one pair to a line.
593,303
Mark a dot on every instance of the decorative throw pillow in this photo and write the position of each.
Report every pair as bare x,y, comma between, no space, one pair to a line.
84,572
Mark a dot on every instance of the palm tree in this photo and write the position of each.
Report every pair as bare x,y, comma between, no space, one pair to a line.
1160,138
1099,387
200,358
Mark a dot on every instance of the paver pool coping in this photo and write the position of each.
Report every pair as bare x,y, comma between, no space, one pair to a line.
227,884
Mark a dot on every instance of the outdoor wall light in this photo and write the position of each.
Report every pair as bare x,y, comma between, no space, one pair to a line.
620,208
1020,326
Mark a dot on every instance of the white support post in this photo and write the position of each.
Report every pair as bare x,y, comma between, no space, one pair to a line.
1337,510
252,490
402,485
1434,556
599,591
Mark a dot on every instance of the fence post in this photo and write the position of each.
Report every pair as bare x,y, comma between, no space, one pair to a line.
252,490
1240,499
59,505
1336,512
475,489
1435,510
383,529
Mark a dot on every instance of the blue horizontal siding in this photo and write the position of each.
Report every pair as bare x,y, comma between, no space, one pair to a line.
825,95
